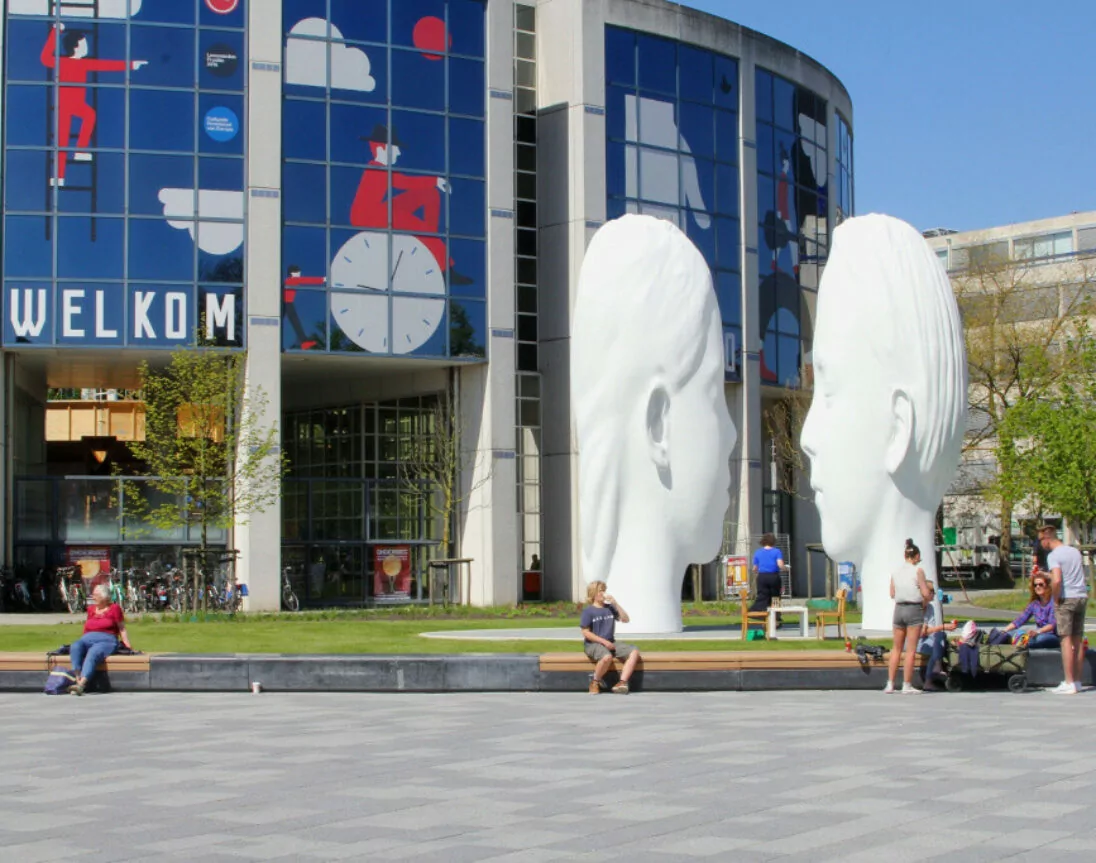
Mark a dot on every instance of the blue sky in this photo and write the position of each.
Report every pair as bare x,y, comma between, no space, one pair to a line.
967,113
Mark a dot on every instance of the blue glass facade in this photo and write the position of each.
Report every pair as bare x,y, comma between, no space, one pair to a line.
672,151
793,233
124,173
384,238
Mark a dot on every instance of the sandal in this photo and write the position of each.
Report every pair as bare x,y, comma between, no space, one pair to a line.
76,689
621,688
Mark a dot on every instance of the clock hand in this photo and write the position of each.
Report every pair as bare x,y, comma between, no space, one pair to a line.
395,268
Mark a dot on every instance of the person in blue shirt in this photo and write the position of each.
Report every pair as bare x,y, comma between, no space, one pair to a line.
598,624
768,561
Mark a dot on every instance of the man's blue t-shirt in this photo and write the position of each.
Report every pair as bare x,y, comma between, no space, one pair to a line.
765,559
601,621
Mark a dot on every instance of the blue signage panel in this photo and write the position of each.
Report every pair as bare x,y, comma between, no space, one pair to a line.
105,315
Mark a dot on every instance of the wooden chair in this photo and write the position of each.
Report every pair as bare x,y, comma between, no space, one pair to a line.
761,617
837,617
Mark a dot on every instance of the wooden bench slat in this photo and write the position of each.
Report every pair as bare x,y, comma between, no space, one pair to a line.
40,662
716,661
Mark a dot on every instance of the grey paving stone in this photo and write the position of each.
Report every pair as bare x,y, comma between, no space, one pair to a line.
654,777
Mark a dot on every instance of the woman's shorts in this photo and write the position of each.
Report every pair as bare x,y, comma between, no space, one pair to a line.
907,614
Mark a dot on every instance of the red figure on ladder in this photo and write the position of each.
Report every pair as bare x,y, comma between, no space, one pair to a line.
73,67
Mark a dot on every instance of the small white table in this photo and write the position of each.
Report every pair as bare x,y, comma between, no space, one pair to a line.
801,610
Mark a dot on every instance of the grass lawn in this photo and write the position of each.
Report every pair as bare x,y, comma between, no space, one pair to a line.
302,634
1014,600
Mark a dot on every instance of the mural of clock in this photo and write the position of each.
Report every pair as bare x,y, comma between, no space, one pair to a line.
363,270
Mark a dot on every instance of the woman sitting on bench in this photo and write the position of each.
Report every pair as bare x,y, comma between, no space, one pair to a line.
104,628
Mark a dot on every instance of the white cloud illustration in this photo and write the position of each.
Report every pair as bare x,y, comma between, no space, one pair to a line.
306,59
214,238
76,9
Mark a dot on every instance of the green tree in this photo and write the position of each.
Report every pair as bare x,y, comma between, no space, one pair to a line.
438,467
1016,318
1054,465
211,458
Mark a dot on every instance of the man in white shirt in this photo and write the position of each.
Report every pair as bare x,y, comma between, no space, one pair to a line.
1070,591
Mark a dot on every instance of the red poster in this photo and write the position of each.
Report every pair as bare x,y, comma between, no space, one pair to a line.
94,564
391,572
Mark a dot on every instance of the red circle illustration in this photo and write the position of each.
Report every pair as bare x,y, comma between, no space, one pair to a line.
429,36
222,7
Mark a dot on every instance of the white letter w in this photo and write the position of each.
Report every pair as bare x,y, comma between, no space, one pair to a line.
26,326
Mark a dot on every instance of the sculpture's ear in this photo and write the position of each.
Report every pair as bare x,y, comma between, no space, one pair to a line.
658,425
901,430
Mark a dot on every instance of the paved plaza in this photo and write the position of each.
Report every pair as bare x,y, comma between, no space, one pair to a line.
844,776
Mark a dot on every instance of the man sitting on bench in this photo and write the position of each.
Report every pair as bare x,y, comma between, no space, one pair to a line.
598,625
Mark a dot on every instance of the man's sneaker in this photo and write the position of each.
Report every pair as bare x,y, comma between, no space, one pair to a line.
910,689
621,688
1064,688
888,689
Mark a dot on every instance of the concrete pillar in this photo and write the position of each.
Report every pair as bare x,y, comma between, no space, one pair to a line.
258,536
488,522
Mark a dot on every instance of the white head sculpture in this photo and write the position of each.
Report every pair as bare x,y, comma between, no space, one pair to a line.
888,414
654,435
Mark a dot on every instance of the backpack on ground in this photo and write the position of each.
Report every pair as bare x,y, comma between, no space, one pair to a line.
60,681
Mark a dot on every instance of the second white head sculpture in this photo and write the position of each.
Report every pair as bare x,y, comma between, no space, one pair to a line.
653,432
889,409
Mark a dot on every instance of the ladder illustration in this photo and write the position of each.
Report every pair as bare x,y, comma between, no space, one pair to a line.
72,9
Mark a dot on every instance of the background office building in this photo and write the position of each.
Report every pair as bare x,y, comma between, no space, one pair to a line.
383,202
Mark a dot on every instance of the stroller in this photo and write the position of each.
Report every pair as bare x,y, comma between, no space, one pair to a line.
997,657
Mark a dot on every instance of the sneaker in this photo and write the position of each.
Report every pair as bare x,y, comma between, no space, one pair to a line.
621,688
1080,687
910,689
1064,688
889,688
81,157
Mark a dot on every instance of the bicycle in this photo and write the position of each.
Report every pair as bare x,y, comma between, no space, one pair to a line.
289,598
71,586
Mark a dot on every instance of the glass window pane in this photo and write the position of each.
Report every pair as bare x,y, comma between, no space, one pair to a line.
161,120
726,189
169,52
620,56
304,193
697,127
468,271
467,89
90,248
24,188
221,118
25,114
467,328
657,64
467,207
360,20
150,175
764,96
421,141
161,251
351,128
695,72
417,82
466,147
467,27
110,186
28,249
221,60
726,83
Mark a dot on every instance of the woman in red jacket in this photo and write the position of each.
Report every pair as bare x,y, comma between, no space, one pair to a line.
104,628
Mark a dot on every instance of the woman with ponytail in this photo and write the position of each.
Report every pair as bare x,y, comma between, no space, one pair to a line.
910,592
